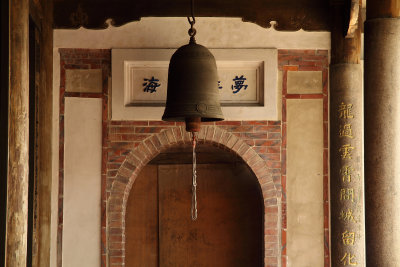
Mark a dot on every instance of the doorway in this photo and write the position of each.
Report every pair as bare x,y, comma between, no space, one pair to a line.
229,229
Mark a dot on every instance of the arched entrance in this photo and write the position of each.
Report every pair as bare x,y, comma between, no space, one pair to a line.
229,230
158,143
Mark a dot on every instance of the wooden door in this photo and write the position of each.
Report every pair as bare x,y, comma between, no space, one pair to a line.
141,221
229,228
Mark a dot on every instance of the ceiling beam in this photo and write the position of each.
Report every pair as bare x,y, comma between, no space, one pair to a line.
289,15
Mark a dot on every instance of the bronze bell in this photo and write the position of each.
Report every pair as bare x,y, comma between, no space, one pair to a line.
192,93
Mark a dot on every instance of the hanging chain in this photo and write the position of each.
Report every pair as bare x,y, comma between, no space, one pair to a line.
194,181
192,30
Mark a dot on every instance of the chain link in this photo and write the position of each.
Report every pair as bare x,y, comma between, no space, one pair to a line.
192,21
194,181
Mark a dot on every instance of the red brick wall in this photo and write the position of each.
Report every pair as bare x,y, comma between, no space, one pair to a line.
78,59
129,145
305,60
132,144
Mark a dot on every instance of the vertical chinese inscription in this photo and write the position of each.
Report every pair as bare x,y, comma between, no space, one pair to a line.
348,260
346,158
347,154
345,111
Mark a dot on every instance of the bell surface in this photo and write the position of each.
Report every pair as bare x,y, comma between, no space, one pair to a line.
192,85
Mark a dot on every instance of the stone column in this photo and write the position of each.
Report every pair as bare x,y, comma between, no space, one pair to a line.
346,133
382,132
18,136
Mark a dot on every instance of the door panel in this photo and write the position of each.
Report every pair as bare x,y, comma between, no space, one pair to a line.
229,228
141,222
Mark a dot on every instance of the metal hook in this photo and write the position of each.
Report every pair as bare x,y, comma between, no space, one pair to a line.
191,22
192,12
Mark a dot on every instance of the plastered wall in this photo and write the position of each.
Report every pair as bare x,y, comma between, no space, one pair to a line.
81,239
305,226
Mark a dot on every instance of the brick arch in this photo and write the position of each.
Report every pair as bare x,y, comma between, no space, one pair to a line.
175,136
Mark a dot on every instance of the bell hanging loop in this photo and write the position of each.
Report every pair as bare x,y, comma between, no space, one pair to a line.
192,31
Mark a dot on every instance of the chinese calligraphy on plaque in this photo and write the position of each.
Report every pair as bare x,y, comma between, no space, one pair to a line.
245,78
239,84
150,85
219,85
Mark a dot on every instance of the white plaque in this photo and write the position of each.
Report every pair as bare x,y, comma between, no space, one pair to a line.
140,79
239,83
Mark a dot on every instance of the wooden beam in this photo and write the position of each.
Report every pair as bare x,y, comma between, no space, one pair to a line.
290,15
383,9
43,10
4,81
344,50
355,10
18,134
41,13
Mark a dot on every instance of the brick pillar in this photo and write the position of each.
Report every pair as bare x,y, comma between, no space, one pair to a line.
346,122
382,132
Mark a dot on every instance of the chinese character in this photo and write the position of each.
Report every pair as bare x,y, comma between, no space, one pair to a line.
348,238
150,85
219,85
347,194
345,111
348,259
346,151
347,215
346,172
239,84
346,131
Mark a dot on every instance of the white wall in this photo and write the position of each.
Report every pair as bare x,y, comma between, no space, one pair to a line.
82,182
147,33
305,214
